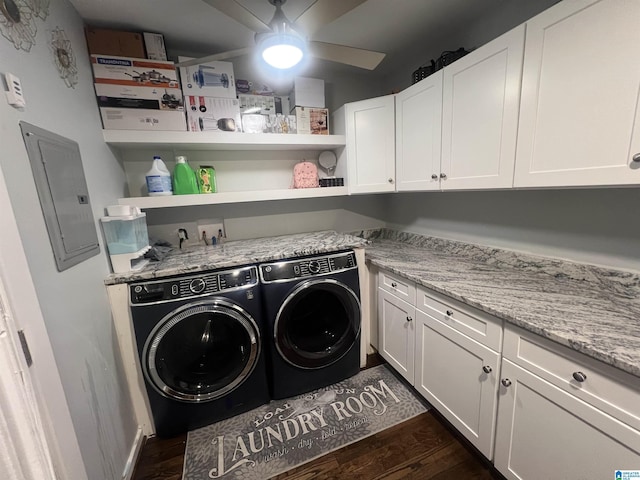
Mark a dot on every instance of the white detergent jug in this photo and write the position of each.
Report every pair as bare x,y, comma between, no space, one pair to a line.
159,179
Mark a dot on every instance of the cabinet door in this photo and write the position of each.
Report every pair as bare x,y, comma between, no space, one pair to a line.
481,97
419,135
396,333
544,432
580,112
370,132
459,377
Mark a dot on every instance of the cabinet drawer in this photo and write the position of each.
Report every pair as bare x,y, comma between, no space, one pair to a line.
607,388
400,287
475,324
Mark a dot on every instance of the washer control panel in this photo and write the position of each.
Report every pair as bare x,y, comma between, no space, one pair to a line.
192,286
307,267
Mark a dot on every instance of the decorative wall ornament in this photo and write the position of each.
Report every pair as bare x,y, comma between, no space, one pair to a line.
40,8
17,23
63,57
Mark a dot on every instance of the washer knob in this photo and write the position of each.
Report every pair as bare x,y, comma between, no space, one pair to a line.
314,266
197,285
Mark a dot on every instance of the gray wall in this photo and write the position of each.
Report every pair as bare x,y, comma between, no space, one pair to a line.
74,302
597,226
266,219
481,30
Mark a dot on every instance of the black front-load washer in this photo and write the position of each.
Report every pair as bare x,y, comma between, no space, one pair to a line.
200,345
312,317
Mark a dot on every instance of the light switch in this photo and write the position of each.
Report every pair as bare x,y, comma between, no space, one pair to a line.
15,97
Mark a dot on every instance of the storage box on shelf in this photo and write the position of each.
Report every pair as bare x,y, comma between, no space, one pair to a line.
104,41
249,167
138,94
211,79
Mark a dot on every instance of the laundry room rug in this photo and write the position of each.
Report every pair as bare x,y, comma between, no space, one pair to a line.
283,434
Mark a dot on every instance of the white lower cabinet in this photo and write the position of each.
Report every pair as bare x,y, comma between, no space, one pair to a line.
459,377
579,421
538,409
396,333
423,341
545,432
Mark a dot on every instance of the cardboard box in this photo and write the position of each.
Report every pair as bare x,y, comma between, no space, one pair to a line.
280,123
307,92
212,79
313,121
102,41
125,96
213,114
142,119
255,123
154,46
134,72
264,105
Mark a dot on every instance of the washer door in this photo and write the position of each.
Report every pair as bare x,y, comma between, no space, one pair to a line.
201,351
317,324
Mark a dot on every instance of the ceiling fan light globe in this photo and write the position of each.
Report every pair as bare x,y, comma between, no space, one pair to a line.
282,51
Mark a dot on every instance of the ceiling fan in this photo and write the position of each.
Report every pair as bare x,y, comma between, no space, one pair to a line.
282,35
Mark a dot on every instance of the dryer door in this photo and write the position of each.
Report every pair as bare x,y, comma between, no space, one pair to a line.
317,324
201,351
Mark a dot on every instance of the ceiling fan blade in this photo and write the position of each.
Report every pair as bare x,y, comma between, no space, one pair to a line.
240,14
214,57
356,57
323,12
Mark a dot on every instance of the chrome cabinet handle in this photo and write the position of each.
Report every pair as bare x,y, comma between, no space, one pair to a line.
506,382
443,175
394,284
409,319
579,377
434,176
636,157
487,369
449,313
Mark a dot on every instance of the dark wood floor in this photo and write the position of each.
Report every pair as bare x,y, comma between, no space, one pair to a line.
424,447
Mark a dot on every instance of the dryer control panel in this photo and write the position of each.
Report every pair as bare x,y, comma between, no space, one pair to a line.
307,267
207,283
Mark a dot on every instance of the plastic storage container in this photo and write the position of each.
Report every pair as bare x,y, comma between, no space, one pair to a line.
127,240
184,178
158,179
125,234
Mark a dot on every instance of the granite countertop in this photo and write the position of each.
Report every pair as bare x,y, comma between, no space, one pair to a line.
240,252
593,310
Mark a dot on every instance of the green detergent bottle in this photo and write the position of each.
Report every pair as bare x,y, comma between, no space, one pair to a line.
184,178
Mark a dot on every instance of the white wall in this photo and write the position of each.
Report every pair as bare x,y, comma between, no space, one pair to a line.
597,226
74,302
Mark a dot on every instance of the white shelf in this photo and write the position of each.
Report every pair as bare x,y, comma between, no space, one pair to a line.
137,139
232,197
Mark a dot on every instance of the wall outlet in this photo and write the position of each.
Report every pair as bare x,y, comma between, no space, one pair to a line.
209,231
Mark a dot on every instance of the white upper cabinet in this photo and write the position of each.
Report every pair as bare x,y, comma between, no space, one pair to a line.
580,112
481,96
419,135
370,134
